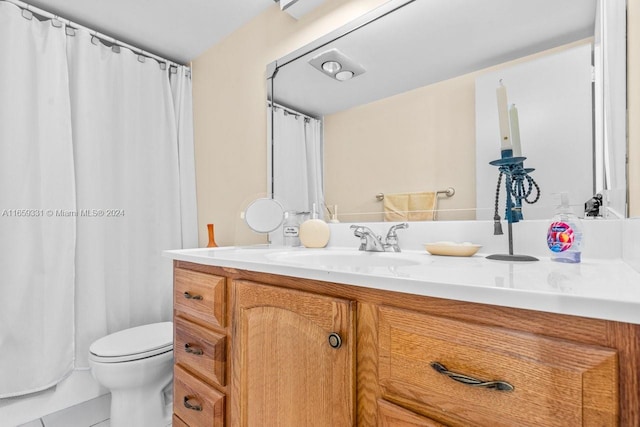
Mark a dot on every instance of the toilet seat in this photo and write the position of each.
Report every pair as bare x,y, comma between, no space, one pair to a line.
133,344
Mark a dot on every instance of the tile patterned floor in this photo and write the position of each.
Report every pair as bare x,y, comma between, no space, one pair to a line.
92,413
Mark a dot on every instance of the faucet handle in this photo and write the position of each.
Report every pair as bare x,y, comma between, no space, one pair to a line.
369,240
393,228
358,230
392,237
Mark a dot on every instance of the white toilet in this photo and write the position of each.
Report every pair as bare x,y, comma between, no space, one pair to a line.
136,365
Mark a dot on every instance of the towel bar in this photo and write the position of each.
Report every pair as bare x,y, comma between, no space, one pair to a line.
449,192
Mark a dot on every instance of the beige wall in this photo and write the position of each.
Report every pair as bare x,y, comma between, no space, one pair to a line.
633,102
229,92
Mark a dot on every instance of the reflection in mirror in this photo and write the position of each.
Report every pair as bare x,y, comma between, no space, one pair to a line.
420,115
264,215
297,171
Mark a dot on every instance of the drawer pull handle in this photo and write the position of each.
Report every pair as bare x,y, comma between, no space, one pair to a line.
187,295
188,405
474,382
193,350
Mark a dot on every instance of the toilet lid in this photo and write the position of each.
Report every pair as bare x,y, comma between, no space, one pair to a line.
134,343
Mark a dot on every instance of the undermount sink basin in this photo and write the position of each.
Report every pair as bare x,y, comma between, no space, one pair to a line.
343,259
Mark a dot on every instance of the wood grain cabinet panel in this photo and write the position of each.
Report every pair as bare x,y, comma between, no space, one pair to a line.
200,295
200,350
390,415
555,382
285,371
195,402
177,422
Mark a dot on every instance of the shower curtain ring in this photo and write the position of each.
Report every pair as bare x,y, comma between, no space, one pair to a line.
27,14
55,22
95,39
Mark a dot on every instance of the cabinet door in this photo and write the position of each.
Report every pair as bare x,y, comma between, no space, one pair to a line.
288,366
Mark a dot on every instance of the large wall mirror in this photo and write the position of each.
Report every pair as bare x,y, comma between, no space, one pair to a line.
403,101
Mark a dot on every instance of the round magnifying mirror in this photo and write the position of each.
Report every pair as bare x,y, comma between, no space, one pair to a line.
264,215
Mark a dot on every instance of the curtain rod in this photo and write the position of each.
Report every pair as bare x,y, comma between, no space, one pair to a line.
95,33
291,111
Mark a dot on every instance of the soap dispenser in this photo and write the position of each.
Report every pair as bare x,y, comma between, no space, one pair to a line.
564,237
314,232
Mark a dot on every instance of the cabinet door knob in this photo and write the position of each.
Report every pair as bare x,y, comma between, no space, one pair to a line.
470,381
187,295
193,350
334,340
193,407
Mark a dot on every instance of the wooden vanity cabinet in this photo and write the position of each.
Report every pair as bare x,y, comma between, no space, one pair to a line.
272,360
200,372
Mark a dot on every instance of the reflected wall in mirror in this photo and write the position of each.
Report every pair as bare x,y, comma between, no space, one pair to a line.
422,114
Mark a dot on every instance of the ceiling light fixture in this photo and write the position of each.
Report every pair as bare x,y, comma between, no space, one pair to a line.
331,67
336,65
344,75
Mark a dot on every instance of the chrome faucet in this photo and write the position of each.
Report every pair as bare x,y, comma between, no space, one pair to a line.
392,238
371,242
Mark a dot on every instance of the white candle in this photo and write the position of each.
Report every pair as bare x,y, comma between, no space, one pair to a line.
515,131
503,117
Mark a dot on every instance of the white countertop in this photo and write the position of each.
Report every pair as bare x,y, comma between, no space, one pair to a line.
603,289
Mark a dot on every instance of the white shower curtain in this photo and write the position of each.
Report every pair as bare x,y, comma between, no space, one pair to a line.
180,78
315,161
106,136
126,156
297,162
36,188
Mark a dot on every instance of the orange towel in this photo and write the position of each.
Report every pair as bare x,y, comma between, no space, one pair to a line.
410,206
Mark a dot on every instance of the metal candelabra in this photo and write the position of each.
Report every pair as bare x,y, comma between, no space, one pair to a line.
519,186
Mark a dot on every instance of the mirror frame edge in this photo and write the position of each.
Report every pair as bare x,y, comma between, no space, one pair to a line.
272,70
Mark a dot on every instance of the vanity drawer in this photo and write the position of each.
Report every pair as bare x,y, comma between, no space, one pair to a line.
200,350
201,295
390,415
555,382
195,402
177,422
